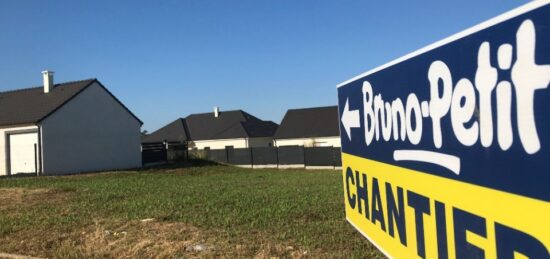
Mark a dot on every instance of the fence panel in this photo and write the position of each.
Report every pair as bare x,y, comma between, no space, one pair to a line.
264,155
319,156
287,155
217,155
291,155
239,156
176,151
197,154
153,152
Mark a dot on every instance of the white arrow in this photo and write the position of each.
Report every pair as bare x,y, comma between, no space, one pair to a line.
350,119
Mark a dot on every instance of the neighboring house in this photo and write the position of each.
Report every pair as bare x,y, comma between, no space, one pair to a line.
217,130
309,127
66,128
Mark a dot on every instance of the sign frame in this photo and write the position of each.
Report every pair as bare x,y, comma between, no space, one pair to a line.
351,118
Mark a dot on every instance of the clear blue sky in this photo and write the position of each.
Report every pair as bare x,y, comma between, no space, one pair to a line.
167,59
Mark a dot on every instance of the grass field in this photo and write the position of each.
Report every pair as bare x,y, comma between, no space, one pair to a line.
194,211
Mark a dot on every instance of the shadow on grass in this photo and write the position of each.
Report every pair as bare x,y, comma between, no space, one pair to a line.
167,165
179,164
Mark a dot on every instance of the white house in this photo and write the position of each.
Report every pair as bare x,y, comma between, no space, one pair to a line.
217,130
66,128
309,127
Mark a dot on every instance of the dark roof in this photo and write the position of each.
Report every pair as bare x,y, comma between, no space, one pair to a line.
32,105
173,132
309,123
205,126
260,128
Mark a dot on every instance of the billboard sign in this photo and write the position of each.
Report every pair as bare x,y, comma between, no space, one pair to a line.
446,151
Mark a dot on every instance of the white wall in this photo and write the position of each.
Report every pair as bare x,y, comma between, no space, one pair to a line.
310,142
236,143
219,143
3,137
91,132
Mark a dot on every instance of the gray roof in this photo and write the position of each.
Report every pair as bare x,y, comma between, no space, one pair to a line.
309,123
260,128
205,126
32,105
172,132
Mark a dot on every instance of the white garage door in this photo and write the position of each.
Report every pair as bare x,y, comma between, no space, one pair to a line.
23,152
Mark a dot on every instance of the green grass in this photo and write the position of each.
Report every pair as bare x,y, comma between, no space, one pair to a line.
233,205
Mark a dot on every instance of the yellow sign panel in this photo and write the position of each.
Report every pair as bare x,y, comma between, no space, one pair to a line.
409,214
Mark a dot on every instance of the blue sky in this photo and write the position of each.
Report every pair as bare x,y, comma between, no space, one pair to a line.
167,59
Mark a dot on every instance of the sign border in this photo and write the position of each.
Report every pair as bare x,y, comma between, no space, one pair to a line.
454,37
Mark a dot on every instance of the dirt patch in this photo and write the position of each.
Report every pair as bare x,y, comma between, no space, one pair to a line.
149,239
133,239
152,239
18,197
270,250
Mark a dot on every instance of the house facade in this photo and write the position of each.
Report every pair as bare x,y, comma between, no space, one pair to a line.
309,127
234,143
217,130
66,128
